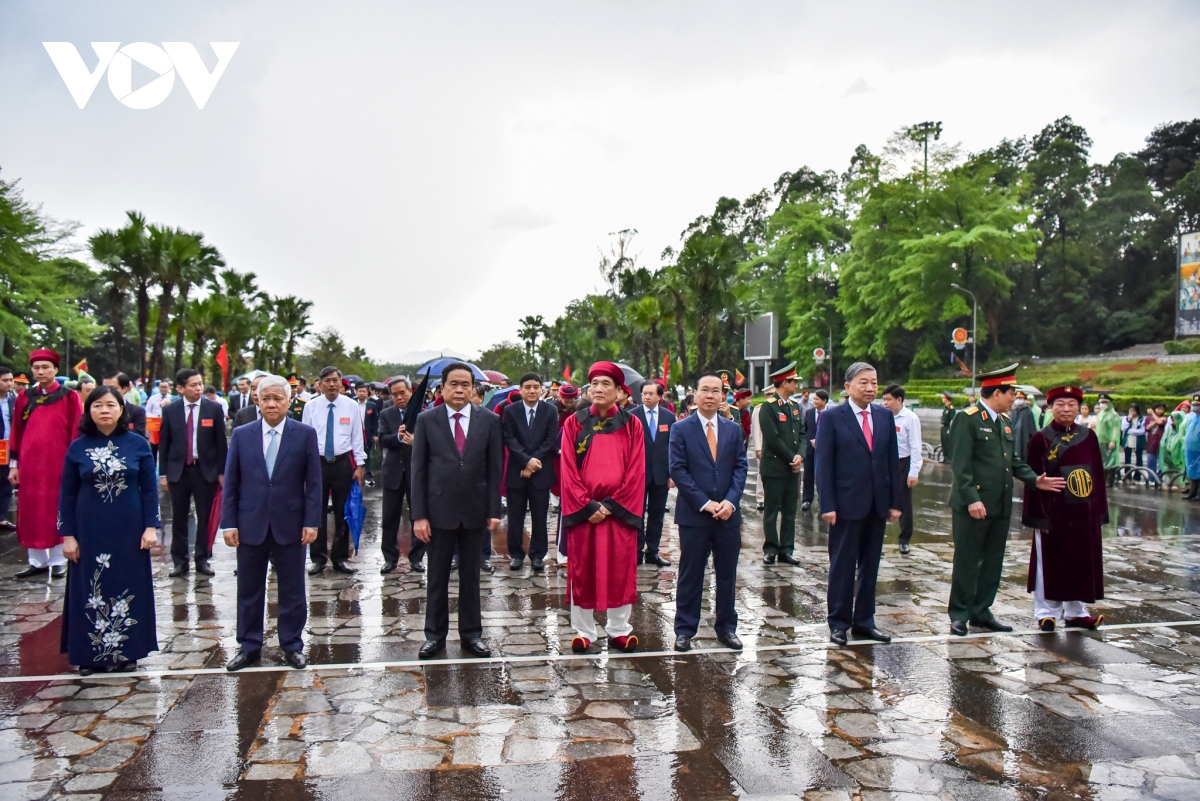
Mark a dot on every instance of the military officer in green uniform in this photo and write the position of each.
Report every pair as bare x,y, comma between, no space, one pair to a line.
296,409
984,463
782,427
947,418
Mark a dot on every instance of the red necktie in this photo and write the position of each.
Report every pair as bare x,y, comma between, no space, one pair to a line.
191,457
867,430
460,436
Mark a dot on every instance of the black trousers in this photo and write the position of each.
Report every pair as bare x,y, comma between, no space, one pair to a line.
906,507
724,542
190,487
336,479
6,491
393,508
537,501
252,562
854,550
441,546
810,477
650,534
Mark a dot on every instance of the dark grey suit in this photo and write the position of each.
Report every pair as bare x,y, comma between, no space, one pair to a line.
396,487
524,443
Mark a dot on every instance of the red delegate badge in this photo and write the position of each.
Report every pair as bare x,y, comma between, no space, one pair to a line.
345,421
1007,430
664,427
782,417
206,423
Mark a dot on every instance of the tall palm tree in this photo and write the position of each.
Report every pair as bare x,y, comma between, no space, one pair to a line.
291,314
172,251
126,255
194,272
532,328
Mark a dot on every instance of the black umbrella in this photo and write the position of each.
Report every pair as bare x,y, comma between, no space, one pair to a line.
633,379
416,403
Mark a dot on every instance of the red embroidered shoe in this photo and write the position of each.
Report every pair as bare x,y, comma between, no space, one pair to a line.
1088,622
626,644
1046,624
580,645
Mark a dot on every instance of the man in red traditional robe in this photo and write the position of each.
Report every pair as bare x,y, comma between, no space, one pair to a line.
1066,567
45,421
603,483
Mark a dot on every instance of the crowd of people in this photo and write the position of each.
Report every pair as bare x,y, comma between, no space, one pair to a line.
266,466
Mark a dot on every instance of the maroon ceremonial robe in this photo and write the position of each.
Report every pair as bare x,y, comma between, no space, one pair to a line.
40,437
603,464
1070,521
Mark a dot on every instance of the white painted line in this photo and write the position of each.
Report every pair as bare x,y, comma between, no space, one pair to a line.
748,653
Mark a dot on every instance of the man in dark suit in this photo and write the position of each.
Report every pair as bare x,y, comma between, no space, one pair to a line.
396,442
240,398
812,419
250,412
530,429
708,465
271,509
135,415
657,422
191,463
457,465
860,484
8,402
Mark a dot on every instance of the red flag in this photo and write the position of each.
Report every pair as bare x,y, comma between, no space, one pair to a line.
223,362
82,367
738,378
963,366
567,372
666,368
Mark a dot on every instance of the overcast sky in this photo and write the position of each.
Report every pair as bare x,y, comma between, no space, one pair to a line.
429,173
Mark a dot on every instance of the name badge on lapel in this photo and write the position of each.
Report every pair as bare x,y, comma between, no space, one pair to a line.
664,427
782,417
206,423
343,421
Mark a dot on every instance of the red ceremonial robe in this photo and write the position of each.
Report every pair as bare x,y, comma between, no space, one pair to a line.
39,445
602,570
1070,521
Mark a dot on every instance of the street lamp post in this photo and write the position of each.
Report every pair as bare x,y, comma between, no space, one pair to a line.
974,331
830,353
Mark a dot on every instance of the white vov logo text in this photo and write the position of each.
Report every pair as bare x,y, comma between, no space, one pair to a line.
164,61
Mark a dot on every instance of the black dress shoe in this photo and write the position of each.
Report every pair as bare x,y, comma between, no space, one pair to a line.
204,568
904,549
838,636
178,571
760,506
388,567
295,659
730,640
486,567
58,571
431,648
418,566
769,559
7,526
991,624
656,559
683,643
516,563
476,647
538,565
958,628
804,507
788,559
242,660
870,634
316,569
641,559
341,567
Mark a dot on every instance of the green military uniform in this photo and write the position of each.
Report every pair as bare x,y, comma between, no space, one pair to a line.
296,408
947,417
782,427
984,463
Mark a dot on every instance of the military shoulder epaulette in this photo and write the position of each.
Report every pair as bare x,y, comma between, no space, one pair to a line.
971,410
1004,415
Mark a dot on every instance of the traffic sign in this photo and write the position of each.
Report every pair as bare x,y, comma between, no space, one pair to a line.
960,336
819,355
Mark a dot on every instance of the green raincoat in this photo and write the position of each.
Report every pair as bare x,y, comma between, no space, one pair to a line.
1170,450
1108,429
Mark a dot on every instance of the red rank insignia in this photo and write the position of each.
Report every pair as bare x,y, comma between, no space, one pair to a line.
1007,430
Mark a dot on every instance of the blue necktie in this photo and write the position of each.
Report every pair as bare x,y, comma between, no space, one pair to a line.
653,428
329,454
272,451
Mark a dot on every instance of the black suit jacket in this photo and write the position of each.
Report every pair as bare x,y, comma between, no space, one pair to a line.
371,421
658,451
136,417
525,443
211,445
235,403
854,480
810,433
451,490
396,455
246,414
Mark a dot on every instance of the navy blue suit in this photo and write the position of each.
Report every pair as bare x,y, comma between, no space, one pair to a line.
269,512
861,484
658,472
699,480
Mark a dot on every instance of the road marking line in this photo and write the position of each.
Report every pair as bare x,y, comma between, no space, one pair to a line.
748,654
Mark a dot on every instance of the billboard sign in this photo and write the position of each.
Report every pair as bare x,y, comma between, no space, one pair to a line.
1187,310
762,340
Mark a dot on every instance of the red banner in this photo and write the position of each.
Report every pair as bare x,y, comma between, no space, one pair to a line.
223,361
666,371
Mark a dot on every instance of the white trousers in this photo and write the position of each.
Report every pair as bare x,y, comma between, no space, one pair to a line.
41,557
1044,608
618,624
760,494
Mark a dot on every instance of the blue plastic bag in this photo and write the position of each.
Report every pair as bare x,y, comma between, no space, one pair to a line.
356,512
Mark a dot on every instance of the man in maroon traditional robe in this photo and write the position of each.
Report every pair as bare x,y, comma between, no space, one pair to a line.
1066,569
45,421
603,484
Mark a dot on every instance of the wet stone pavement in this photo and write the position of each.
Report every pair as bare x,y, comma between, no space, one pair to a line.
1112,714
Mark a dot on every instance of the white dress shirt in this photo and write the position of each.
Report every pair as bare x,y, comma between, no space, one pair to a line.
267,437
908,438
531,412
194,408
465,422
347,426
155,403
756,427
863,422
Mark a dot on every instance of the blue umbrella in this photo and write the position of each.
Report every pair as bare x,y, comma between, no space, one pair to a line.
355,511
435,367
501,395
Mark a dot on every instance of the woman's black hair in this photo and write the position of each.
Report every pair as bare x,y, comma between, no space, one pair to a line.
87,426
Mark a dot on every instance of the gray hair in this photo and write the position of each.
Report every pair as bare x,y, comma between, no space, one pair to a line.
858,367
269,381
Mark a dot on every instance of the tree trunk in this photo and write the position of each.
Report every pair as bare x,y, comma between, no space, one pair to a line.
183,299
143,322
681,339
291,348
157,364
702,326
